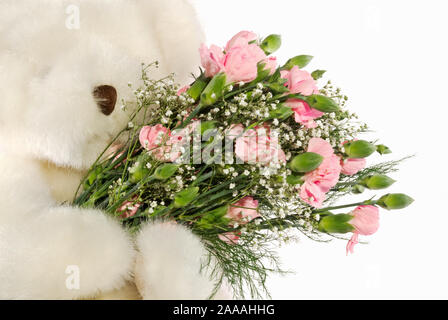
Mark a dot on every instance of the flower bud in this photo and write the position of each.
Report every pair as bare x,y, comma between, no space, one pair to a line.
322,103
377,182
294,179
359,149
300,61
184,197
197,87
214,90
394,201
317,74
271,43
358,189
165,171
382,149
336,223
306,162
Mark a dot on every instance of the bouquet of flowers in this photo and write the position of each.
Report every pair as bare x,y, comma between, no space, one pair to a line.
246,154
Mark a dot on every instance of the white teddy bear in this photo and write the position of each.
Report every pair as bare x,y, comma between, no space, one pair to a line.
64,70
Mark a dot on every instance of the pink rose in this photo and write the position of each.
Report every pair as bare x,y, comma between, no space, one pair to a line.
243,210
242,38
303,113
366,221
299,81
258,145
129,208
183,90
352,166
212,59
325,176
240,63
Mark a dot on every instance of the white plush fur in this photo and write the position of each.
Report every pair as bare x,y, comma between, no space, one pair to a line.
172,257
51,131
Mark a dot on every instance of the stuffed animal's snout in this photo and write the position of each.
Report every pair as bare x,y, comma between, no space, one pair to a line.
106,98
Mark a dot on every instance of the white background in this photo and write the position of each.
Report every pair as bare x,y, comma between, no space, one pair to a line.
390,58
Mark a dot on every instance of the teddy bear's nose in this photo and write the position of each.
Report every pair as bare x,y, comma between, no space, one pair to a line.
105,97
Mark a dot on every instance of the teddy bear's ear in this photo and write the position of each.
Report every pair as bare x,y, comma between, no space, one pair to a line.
106,98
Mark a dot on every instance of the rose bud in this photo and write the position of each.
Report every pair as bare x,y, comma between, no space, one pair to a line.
377,182
306,162
394,201
359,149
271,43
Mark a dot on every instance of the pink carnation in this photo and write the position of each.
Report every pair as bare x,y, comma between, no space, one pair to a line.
257,145
321,180
312,194
241,62
352,166
366,221
129,208
183,90
242,38
229,237
212,59
163,144
303,113
244,210
300,81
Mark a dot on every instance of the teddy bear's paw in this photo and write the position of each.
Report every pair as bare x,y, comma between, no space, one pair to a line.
170,264
64,253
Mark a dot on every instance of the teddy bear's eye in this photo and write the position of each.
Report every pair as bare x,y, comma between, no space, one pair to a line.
105,97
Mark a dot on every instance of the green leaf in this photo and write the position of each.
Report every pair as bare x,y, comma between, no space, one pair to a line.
207,125
214,90
300,61
198,86
277,87
294,179
322,103
282,112
165,171
317,74
184,197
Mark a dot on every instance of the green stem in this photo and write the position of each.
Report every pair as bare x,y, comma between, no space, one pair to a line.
366,202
